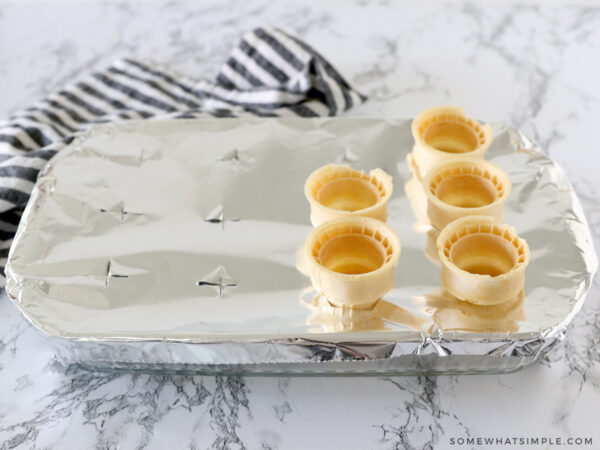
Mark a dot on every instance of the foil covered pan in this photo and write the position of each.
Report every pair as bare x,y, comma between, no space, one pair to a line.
175,246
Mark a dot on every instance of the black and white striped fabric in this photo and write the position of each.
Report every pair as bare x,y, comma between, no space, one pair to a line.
270,74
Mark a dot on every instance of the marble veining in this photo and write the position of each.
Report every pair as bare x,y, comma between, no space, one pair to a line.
531,64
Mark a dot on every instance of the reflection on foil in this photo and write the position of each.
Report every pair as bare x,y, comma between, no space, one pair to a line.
381,315
418,203
302,261
431,250
416,196
452,314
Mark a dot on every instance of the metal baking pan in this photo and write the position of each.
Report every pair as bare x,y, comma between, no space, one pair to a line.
174,246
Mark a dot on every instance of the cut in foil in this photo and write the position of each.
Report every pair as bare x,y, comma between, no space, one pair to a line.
177,246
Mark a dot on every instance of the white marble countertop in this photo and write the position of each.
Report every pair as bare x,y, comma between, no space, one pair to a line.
533,66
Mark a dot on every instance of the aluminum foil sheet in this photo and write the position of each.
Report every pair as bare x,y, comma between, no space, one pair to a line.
175,246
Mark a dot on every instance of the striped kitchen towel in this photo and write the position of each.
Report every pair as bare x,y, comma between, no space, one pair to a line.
270,74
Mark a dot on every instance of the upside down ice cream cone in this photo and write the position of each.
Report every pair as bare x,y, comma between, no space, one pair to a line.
443,133
335,191
352,260
483,261
465,187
